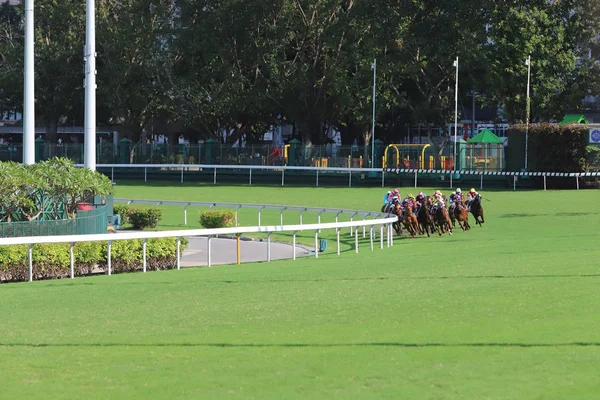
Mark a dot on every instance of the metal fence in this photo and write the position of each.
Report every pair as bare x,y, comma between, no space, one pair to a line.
94,221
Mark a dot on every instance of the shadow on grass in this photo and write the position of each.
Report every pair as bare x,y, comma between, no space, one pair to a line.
305,345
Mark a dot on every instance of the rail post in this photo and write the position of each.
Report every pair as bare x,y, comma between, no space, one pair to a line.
337,235
239,248
259,210
317,243
294,245
356,241
30,257
269,247
178,252
209,253
185,213
72,260
109,257
144,254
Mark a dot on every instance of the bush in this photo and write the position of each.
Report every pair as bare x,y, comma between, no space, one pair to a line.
145,218
213,219
51,261
593,156
124,211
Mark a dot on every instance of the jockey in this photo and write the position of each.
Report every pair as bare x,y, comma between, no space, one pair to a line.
420,199
438,201
409,200
386,198
471,197
455,199
394,193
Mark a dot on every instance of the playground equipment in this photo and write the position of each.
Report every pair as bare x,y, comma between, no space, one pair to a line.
407,156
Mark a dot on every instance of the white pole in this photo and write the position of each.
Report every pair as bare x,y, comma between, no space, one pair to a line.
374,67
337,235
109,258
317,244
527,107
455,114
90,86
29,89
72,261
294,245
178,253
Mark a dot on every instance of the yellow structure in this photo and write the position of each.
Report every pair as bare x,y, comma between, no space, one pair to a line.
397,148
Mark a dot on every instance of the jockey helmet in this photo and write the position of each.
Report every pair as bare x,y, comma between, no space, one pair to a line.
395,198
472,190
389,192
437,193
410,196
458,191
421,194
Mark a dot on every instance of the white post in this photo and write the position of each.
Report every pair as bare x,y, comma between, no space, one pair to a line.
145,174
215,177
90,86
294,245
337,234
356,240
481,181
181,174
29,88
364,227
282,176
544,182
185,214
72,259
178,253
381,236
371,236
391,238
269,247
30,256
374,67
317,178
317,243
455,118
415,179
109,258
209,254
250,177
527,108
577,177
144,254
514,183
350,178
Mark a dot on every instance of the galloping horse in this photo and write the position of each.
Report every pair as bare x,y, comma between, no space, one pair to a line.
461,214
396,209
442,218
477,210
425,218
410,221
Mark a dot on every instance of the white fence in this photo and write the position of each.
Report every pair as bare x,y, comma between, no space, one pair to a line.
381,220
190,168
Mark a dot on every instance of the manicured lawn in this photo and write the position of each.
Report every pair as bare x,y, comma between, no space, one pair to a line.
507,311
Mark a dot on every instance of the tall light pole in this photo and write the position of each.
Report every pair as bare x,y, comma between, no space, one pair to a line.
374,67
90,86
527,110
29,89
455,113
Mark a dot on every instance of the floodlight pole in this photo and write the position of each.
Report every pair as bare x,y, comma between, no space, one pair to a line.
374,67
527,110
90,86
29,89
455,113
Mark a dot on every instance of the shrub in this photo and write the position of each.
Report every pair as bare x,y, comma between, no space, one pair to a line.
145,218
213,219
124,211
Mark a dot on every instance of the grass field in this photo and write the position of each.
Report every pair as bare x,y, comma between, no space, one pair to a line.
507,311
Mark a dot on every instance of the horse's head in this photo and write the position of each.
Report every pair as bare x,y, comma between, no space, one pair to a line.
397,209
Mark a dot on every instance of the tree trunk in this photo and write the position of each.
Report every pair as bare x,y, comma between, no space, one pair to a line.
51,136
367,135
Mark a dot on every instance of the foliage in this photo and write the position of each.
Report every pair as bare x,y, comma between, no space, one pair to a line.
556,148
145,217
25,189
52,261
124,211
213,219
593,156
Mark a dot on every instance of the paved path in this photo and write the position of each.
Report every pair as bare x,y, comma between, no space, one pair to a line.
224,251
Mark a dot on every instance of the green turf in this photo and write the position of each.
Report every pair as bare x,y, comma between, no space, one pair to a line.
507,311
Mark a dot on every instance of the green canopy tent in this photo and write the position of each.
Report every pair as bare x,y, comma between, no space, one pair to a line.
486,151
574,119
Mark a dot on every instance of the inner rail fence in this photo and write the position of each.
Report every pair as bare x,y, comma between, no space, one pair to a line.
380,220
451,176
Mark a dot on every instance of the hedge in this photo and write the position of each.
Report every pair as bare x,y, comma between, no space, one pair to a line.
52,261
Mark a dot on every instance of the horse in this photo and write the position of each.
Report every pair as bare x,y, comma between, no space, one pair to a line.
425,218
477,210
442,219
396,209
410,221
460,213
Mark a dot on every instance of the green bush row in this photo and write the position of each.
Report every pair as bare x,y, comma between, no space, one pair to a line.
139,218
52,261
213,219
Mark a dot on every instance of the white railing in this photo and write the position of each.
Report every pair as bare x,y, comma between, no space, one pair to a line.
191,168
383,221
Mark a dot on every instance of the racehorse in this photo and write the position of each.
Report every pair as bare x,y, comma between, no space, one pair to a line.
425,218
477,210
397,210
442,219
460,213
410,221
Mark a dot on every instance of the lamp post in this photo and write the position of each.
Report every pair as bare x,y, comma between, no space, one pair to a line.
455,113
28,89
527,110
374,68
90,86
